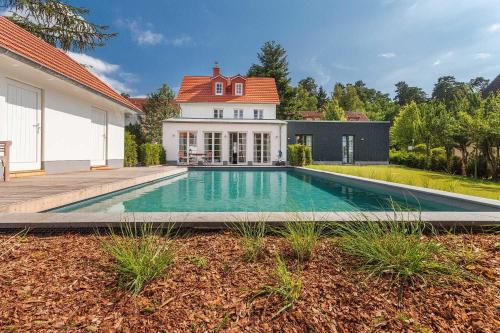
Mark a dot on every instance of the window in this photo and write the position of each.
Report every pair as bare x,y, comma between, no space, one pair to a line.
238,114
239,89
218,88
348,149
261,148
218,113
304,139
258,114
213,143
187,146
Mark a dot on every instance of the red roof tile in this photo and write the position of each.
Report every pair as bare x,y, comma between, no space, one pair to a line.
28,46
356,116
257,90
311,114
138,101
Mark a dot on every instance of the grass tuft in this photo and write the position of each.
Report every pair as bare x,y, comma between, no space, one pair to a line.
251,238
302,237
399,249
288,287
141,253
198,261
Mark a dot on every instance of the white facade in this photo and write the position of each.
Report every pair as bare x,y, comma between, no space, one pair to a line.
206,110
49,121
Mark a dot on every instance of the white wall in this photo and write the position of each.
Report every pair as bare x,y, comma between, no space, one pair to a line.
171,137
206,110
65,114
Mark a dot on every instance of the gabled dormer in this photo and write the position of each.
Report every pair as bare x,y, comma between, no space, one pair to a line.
219,83
238,83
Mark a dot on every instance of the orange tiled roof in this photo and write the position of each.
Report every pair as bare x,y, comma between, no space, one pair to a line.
356,116
257,90
28,46
311,114
139,102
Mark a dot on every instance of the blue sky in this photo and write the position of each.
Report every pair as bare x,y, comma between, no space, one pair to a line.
378,41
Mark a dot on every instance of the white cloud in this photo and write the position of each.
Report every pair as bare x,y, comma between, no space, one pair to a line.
387,55
321,73
494,27
109,73
437,62
180,41
482,55
143,34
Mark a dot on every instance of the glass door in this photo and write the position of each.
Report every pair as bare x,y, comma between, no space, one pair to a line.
261,148
213,143
237,147
348,149
187,146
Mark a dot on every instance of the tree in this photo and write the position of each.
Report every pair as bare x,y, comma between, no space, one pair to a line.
302,101
58,23
406,94
310,85
478,84
159,106
433,125
491,133
322,98
351,101
447,90
404,130
333,111
273,63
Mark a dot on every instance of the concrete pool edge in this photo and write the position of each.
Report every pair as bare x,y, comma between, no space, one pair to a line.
219,220
480,201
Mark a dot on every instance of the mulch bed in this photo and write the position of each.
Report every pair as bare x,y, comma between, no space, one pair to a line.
64,283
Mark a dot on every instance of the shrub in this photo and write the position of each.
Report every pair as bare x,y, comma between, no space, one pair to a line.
392,247
130,150
302,237
420,148
288,288
296,154
140,253
307,155
151,154
252,238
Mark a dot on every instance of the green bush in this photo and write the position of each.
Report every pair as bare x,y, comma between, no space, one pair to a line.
308,155
151,154
296,154
412,159
420,148
130,150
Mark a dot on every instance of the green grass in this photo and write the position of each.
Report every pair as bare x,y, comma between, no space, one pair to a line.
141,253
198,261
301,236
416,177
288,287
251,238
394,248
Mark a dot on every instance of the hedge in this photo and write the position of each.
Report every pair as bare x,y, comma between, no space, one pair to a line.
437,161
130,150
151,154
299,155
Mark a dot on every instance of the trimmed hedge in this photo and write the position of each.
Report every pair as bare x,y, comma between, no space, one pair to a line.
299,155
437,161
130,150
151,154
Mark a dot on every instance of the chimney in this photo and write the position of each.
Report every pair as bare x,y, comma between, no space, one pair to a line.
216,70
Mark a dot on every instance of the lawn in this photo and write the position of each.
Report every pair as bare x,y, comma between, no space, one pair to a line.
417,177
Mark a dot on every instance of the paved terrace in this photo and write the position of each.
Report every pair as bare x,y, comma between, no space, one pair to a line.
39,193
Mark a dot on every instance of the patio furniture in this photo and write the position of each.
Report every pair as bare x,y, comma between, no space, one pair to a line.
4,160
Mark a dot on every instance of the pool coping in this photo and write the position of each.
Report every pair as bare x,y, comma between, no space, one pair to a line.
218,220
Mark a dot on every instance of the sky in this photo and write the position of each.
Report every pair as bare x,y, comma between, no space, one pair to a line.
378,41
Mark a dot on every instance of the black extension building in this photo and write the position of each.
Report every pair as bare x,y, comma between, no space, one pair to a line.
347,142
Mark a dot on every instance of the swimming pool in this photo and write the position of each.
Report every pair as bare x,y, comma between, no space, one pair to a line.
253,190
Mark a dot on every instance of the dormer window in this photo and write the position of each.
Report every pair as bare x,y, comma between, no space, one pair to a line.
218,88
239,89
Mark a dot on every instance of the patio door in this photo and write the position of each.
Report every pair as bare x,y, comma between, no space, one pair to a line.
261,148
213,144
20,123
348,149
187,146
98,137
237,147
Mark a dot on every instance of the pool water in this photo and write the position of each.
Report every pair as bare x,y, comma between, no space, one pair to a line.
237,190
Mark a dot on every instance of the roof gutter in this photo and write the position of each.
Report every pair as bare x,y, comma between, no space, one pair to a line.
34,64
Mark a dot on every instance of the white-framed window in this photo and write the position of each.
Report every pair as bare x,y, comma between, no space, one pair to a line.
218,88
218,113
238,114
239,89
258,114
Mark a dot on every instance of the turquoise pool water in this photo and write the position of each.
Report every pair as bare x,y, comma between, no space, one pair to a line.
238,190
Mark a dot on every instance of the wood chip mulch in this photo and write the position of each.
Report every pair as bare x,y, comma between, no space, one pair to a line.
64,283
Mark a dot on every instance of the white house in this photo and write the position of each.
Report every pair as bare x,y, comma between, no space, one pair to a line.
58,115
226,120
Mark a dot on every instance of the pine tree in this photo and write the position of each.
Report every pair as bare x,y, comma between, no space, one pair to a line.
160,106
273,63
57,23
333,111
322,98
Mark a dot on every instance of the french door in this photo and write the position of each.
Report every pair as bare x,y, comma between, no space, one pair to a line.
348,149
261,148
237,147
98,137
21,124
187,146
213,144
